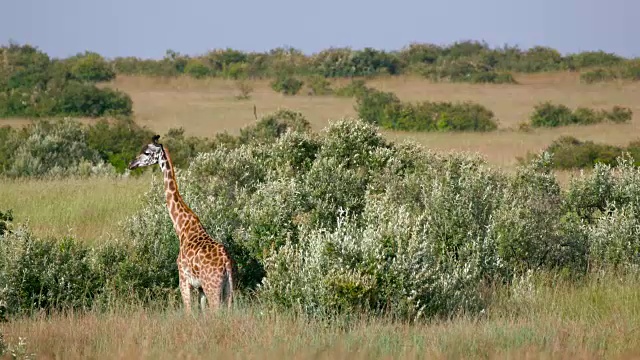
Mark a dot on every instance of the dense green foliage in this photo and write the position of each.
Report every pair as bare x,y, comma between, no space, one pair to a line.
33,85
386,110
66,147
629,70
551,115
287,85
90,67
468,61
571,153
344,221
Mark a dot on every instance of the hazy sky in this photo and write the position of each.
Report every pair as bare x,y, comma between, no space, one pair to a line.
146,28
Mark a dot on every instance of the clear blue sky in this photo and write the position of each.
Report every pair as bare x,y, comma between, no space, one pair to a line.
146,28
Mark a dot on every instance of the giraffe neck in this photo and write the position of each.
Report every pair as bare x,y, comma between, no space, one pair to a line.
179,212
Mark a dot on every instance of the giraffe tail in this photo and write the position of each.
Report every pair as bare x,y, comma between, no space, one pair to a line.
230,273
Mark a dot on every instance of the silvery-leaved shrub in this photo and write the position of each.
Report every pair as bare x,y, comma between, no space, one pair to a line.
52,148
344,221
46,273
273,125
149,269
615,240
609,198
530,229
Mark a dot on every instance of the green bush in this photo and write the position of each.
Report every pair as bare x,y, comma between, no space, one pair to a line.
493,77
466,61
619,114
77,99
386,110
571,153
597,75
469,70
377,107
319,86
287,85
273,126
586,116
592,58
548,114
631,70
66,147
45,273
346,221
117,142
51,148
91,67
606,199
355,88
551,115
38,87
197,69
343,221
627,70
345,62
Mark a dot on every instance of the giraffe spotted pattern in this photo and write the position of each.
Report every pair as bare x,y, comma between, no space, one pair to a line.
203,263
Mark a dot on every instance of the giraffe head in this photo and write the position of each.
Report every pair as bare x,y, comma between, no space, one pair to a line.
150,154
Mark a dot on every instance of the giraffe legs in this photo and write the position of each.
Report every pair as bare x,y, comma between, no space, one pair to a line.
185,290
212,290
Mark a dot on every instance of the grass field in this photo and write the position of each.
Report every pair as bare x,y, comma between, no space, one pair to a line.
89,209
205,107
600,319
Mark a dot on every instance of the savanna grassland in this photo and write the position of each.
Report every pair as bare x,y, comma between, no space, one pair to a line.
372,248
208,106
205,107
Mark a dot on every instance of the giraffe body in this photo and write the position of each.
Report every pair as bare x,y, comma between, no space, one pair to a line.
203,263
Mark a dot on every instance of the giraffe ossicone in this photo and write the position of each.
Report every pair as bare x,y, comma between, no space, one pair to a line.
204,264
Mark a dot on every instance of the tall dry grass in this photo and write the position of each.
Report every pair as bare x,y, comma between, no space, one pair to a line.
598,319
206,107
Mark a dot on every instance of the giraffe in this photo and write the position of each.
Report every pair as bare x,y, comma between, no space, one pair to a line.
203,263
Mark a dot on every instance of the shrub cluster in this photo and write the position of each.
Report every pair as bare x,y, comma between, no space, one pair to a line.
548,114
287,85
386,110
571,153
628,70
33,85
470,61
66,147
355,88
466,70
345,221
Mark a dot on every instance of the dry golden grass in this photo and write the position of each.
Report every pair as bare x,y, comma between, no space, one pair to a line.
560,321
205,107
